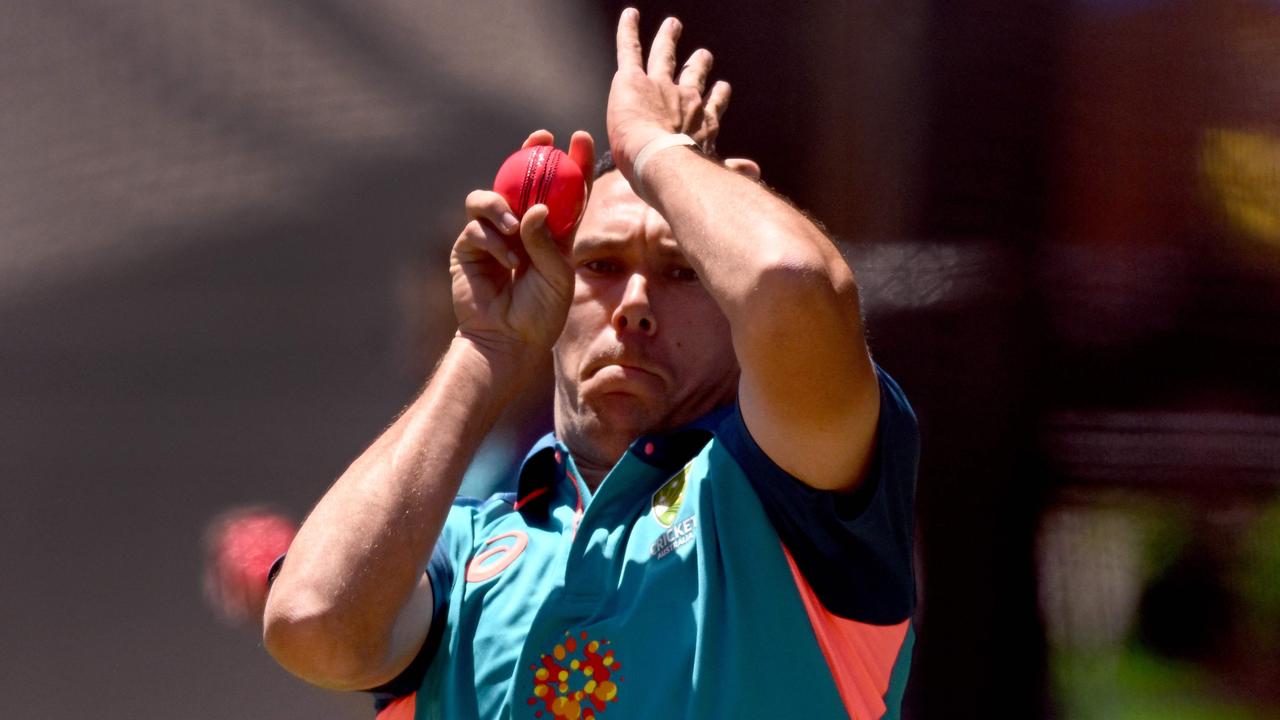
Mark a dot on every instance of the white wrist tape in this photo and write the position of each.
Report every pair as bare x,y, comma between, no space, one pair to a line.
657,145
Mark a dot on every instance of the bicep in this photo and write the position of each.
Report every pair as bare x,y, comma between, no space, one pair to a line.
808,390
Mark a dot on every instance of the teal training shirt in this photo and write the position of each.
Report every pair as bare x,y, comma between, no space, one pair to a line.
700,581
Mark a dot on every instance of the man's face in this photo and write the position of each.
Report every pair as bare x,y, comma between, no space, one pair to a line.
644,346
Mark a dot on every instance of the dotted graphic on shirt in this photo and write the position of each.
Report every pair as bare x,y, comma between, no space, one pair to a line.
577,680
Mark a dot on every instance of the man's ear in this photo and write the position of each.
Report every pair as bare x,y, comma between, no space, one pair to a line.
743,166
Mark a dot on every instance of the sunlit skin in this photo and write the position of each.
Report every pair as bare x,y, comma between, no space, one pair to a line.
644,346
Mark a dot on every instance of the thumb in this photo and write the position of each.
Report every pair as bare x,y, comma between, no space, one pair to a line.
541,247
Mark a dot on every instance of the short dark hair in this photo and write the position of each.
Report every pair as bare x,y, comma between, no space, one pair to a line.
604,164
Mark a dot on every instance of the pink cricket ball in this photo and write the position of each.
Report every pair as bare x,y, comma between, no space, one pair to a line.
240,547
546,175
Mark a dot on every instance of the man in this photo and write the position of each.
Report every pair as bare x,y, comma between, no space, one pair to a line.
720,525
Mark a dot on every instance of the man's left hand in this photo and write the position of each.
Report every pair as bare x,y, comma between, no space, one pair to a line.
647,103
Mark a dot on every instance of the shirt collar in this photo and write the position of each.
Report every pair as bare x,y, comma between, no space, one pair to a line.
544,467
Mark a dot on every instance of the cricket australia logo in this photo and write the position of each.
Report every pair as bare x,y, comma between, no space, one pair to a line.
667,501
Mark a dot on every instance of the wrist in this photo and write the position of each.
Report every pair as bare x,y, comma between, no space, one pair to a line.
504,364
655,147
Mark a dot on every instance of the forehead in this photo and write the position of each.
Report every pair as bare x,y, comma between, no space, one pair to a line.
615,213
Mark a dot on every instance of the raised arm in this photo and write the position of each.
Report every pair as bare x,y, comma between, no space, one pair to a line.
351,605
808,390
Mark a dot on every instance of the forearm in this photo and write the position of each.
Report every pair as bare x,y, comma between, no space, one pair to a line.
357,559
807,390
753,250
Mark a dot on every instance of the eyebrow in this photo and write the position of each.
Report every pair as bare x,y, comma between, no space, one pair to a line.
599,242
606,243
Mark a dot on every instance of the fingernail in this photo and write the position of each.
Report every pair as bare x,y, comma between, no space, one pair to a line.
509,222
513,259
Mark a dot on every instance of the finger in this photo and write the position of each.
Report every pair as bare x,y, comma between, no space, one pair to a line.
541,246
696,69
582,151
718,99
708,133
489,205
662,53
630,52
479,240
539,137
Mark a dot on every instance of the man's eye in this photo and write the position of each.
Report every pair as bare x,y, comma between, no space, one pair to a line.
602,267
683,274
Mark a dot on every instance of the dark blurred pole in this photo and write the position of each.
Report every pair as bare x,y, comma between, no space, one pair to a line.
971,365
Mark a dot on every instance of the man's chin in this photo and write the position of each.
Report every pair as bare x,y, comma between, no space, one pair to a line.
621,412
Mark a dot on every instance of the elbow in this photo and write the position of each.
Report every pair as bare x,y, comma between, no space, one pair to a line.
792,301
805,279
308,639
800,258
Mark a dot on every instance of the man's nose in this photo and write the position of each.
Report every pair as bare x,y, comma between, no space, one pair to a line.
634,313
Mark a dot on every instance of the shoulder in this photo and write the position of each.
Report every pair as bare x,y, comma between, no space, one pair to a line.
835,535
897,431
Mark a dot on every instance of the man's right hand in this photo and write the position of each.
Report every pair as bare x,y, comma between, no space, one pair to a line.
512,282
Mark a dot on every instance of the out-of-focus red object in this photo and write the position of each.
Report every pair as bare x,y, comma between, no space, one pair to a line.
240,546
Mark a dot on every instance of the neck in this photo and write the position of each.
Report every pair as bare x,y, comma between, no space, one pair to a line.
592,473
594,456
594,460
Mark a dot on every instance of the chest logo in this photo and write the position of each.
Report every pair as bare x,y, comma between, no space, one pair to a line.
496,559
668,498
667,501
577,680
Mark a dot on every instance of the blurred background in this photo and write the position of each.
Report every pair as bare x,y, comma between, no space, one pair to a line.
224,230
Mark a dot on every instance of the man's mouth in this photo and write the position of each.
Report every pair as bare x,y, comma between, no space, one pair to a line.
625,367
